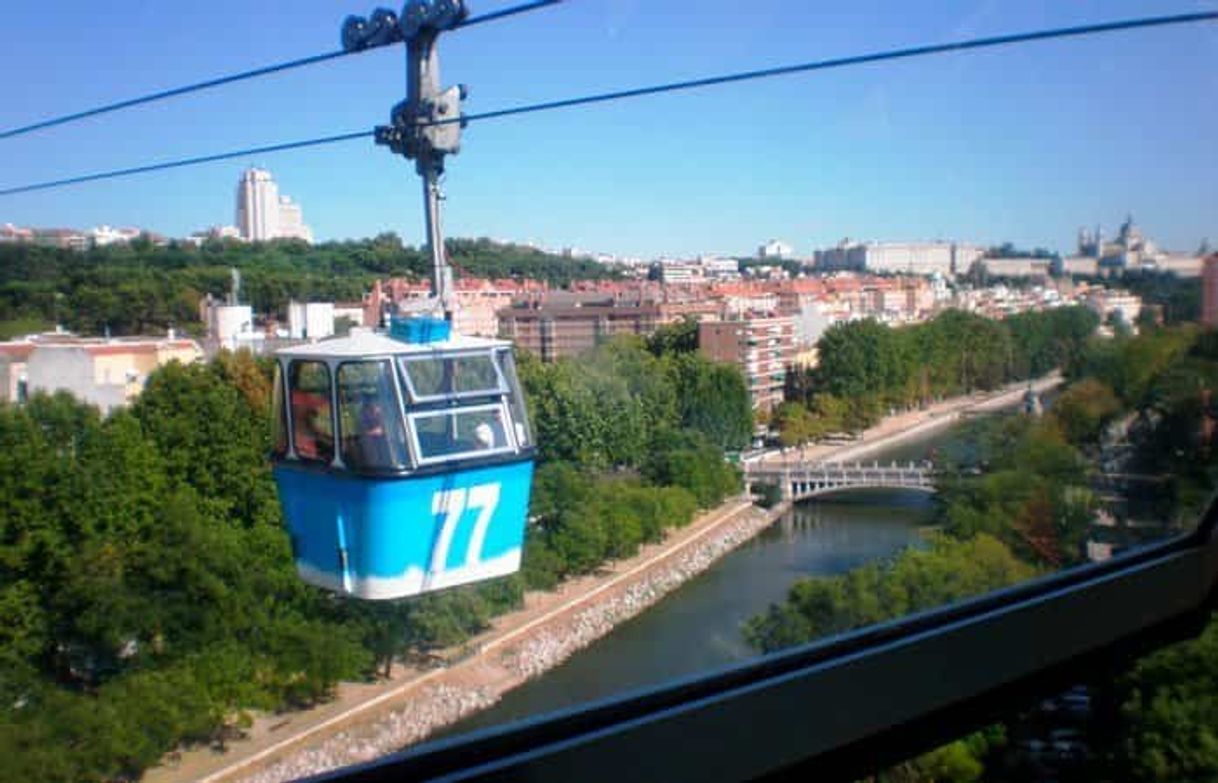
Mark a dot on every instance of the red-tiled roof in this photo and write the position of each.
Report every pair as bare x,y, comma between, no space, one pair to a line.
119,349
18,351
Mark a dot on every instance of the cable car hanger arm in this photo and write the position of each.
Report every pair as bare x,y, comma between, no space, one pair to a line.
417,128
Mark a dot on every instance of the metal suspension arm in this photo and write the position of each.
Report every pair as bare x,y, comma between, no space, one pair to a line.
415,133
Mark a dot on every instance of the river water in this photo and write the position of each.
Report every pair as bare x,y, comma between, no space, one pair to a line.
698,626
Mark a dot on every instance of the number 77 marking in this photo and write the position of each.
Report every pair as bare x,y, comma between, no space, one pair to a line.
453,503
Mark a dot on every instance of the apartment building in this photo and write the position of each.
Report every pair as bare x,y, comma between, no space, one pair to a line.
762,346
105,373
558,327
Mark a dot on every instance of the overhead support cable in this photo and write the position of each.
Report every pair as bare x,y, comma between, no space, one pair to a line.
918,51
492,16
251,74
174,164
842,62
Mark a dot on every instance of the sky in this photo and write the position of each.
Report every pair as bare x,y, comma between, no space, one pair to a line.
1021,144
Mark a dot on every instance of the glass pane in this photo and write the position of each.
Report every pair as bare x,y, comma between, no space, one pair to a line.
832,433
312,422
461,432
439,376
279,422
369,417
520,416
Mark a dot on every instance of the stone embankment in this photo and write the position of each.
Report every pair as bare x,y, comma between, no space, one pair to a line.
438,705
433,707
552,645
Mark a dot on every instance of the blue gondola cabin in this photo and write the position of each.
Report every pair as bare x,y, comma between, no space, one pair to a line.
403,461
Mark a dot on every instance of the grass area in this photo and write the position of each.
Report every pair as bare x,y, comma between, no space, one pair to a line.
19,327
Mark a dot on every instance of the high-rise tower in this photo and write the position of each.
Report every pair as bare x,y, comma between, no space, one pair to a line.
263,214
257,205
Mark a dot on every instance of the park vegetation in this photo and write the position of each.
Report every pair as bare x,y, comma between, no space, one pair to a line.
145,288
867,370
148,597
1015,501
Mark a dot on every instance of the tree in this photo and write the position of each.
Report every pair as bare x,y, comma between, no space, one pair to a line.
210,439
713,399
948,570
676,338
1169,714
795,424
580,540
1084,409
1033,495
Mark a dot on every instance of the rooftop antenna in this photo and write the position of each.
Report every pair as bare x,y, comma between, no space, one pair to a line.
427,125
234,291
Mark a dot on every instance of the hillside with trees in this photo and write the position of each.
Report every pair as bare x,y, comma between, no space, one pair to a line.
142,288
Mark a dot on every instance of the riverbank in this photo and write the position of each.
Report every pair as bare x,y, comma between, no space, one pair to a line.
910,425
369,720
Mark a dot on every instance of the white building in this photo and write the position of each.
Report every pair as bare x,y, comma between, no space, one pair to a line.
263,214
291,221
1115,304
720,268
310,320
105,235
904,258
1017,267
775,249
674,272
1087,266
105,373
1132,250
229,326
11,233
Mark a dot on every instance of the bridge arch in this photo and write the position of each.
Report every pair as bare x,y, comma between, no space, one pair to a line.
800,481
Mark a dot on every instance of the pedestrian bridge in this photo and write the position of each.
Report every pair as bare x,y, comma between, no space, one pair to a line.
801,480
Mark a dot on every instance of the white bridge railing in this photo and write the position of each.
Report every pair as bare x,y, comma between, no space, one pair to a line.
809,479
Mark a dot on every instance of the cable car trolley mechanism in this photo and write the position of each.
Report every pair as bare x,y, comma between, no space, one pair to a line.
404,460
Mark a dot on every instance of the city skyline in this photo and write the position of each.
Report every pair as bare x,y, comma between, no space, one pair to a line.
1021,145
948,256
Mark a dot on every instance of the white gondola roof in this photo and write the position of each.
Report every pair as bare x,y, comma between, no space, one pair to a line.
373,344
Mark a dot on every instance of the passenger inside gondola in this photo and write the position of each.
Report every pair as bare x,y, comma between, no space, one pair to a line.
313,427
372,430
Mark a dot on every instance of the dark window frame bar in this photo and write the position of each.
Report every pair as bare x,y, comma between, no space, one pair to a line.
843,707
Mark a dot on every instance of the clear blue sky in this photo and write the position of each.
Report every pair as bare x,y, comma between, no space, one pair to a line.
1022,144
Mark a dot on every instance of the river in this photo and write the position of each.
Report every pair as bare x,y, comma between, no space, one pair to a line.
697,627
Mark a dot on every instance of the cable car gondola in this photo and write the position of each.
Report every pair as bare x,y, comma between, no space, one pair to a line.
404,459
